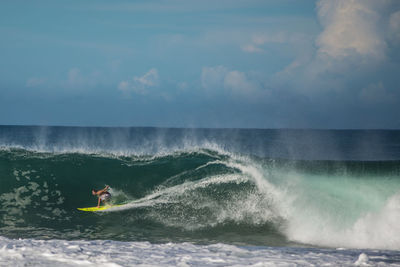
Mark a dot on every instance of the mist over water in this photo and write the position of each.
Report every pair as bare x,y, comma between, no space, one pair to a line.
336,145
249,187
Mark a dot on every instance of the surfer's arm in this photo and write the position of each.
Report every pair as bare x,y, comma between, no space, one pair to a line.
102,190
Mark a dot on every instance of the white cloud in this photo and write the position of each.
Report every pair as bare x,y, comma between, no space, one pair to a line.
351,26
220,78
123,86
238,82
140,85
250,48
148,80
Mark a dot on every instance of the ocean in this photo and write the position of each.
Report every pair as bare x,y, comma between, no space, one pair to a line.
199,197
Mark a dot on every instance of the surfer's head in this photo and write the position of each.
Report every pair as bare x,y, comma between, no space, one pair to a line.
94,192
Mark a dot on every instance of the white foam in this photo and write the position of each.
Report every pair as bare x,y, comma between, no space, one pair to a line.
378,229
25,252
362,260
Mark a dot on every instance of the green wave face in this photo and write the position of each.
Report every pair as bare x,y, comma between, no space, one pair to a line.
202,196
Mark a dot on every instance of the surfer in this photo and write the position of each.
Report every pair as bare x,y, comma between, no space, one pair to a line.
103,195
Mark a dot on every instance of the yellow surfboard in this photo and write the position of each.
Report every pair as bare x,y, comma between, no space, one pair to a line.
99,208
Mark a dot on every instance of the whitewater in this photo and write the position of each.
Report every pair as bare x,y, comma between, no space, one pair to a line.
196,197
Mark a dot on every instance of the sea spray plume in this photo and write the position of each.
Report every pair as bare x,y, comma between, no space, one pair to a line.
384,225
372,230
289,144
40,142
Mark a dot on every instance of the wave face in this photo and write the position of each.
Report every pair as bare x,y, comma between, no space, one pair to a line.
181,189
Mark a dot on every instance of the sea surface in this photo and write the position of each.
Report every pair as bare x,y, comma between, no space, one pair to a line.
199,197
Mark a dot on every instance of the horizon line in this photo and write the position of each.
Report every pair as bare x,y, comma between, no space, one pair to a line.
203,128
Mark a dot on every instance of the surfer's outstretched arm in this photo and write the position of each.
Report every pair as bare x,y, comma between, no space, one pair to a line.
103,190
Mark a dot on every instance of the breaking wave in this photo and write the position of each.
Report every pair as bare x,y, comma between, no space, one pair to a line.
200,194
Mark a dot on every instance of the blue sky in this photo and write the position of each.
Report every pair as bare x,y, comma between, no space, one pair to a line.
176,63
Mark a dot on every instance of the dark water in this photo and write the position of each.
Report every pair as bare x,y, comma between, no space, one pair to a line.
248,187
